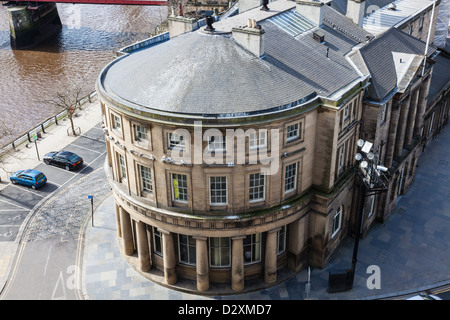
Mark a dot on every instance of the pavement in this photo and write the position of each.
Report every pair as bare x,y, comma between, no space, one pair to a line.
409,252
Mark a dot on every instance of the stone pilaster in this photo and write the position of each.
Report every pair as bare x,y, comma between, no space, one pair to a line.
422,105
395,113
401,130
411,118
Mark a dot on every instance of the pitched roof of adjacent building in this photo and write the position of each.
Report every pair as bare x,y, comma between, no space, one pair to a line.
207,74
381,58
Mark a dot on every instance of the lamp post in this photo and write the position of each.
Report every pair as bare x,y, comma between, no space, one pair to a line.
371,176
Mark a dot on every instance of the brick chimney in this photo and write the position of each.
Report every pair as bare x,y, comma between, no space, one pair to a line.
355,11
311,10
251,37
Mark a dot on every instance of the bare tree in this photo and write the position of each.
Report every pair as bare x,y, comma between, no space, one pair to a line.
68,100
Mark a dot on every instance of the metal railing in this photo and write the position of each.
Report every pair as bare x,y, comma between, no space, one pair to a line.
35,132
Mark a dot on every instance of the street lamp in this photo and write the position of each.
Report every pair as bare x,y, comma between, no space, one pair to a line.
371,175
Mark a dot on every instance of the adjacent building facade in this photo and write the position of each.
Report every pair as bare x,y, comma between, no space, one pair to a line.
231,148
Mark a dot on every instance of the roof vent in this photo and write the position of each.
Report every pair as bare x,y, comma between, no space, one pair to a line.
318,36
392,6
209,22
264,5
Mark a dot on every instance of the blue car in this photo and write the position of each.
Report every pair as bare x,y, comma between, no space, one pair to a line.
30,178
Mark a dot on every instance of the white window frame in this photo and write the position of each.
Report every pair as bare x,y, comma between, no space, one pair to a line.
220,190
145,180
252,245
217,143
157,234
140,134
292,178
256,187
292,132
190,260
258,139
281,240
122,167
181,189
220,253
116,122
337,220
372,203
176,140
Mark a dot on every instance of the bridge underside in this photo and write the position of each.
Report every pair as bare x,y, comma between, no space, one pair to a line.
120,2
32,22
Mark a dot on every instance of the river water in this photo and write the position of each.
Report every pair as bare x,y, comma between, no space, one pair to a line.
87,42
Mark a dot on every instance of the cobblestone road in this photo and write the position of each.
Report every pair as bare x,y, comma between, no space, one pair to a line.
68,211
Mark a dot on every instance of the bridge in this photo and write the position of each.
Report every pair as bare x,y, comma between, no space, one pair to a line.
120,2
32,22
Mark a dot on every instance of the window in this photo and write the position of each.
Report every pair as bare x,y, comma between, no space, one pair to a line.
176,140
187,251
179,187
217,143
410,29
252,248
346,112
218,190
290,178
337,222
219,251
140,133
122,167
116,122
146,179
372,202
421,22
341,158
383,114
258,140
292,132
281,240
257,186
157,241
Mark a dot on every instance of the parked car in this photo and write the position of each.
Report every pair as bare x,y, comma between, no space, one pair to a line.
31,178
65,159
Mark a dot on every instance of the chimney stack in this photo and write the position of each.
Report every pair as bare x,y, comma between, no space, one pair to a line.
251,37
311,9
355,11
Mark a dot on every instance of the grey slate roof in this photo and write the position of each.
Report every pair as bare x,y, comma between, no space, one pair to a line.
378,58
341,5
440,79
197,73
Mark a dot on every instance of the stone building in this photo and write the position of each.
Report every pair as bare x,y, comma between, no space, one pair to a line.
231,147
394,110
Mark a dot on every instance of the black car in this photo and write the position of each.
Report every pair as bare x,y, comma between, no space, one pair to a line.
65,159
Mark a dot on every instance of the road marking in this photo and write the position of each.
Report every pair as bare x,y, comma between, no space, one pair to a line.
29,190
16,205
76,145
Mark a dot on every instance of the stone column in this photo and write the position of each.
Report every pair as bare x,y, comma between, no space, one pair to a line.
270,261
411,118
237,263
170,273
395,113
422,105
127,233
119,228
202,263
296,242
142,247
400,138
